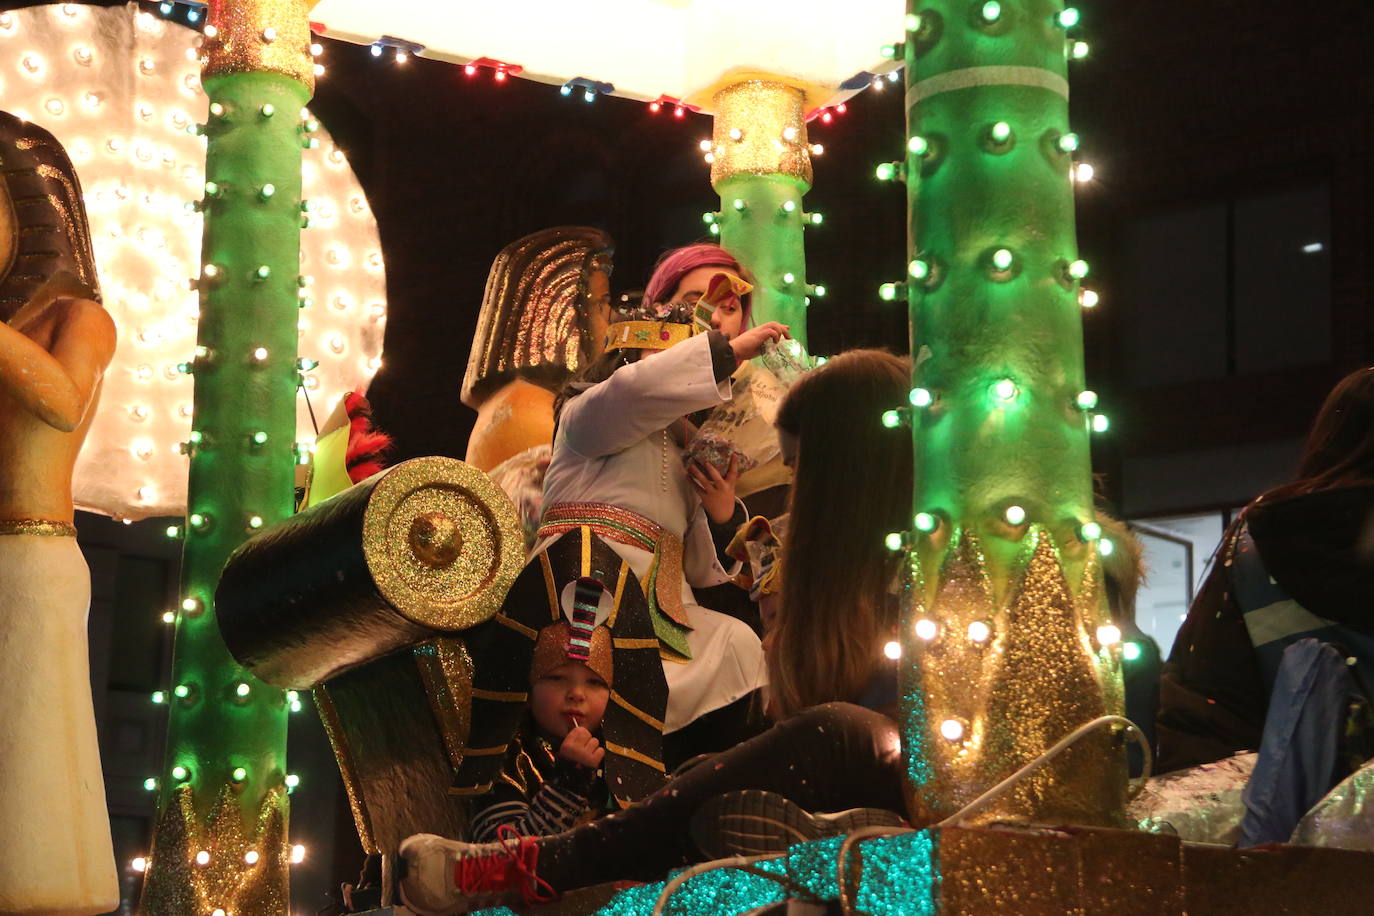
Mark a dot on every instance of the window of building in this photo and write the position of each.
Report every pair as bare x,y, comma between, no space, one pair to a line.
1228,287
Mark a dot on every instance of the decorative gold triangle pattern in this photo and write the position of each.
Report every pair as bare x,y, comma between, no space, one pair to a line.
997,683
244,871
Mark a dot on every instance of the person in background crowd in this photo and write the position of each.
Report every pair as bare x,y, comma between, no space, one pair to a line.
1297,562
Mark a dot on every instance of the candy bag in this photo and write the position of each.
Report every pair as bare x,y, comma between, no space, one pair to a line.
743,428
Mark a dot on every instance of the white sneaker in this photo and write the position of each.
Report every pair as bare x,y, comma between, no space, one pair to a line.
442,877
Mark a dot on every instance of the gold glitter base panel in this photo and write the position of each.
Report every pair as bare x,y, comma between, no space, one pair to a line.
1100,872
991,685
221,863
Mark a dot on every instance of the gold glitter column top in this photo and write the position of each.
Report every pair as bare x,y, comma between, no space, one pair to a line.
760,129
249,36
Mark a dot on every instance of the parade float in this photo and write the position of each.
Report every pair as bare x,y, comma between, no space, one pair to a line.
1012,733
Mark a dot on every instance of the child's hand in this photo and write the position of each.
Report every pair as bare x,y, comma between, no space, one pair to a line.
717,491
750,343
580,747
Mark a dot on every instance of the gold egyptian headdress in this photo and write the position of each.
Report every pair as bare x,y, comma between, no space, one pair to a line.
45,243
533,322
658,326
577,600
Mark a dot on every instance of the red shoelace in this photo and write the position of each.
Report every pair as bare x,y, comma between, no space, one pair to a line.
511,866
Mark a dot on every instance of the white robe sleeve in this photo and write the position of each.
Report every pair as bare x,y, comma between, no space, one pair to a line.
701,567
642,398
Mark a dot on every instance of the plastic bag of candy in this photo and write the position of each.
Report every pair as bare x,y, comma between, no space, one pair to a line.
743,428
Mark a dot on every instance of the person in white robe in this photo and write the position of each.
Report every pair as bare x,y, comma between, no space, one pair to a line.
618,466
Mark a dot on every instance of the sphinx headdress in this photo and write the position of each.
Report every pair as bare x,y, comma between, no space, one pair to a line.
48,253
533,322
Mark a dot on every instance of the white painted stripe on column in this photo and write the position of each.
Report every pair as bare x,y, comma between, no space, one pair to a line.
969,77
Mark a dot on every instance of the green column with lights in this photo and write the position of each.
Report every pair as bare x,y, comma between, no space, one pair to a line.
220,842
761,167
1008,643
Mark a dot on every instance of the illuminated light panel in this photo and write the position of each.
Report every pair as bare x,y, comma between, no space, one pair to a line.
128,91
818,44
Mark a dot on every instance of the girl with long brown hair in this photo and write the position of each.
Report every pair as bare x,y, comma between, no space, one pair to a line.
851,487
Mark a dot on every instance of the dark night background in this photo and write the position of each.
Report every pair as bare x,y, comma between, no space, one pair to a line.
1228,136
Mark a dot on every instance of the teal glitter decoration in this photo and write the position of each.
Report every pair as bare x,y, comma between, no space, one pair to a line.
915,725
635,901
898,878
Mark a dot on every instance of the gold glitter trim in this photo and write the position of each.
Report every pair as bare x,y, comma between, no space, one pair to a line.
177,885
647,335
471,790
500,696
629,707
467,591
517,626
333,728
485,751
770,119
619,593
252,36
38,527
446,669
550,587
625,642
621,751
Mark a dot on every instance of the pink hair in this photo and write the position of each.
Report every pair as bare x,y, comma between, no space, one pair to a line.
678,263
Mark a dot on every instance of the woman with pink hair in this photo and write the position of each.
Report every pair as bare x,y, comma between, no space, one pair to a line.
619,464
683,274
